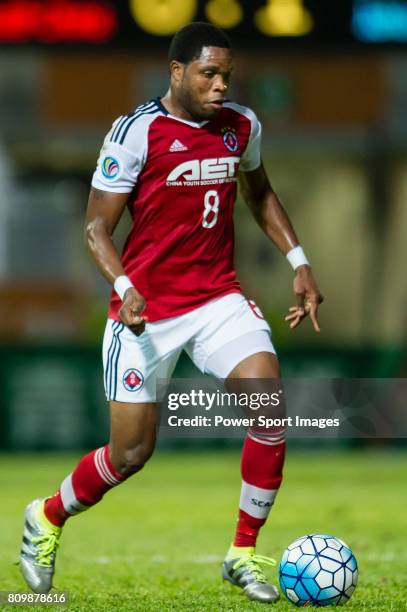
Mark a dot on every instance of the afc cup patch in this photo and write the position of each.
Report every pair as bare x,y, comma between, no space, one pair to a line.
110,168
133,380
230,140
255,309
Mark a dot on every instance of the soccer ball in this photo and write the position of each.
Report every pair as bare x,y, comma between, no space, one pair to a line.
318,570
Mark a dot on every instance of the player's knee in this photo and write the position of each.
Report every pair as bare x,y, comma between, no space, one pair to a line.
133,460
258,366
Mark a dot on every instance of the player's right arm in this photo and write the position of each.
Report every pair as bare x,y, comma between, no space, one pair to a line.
102,216
120,162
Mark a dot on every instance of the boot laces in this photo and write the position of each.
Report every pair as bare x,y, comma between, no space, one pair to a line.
47,545
253,563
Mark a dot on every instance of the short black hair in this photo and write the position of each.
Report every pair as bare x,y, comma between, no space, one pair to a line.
188,42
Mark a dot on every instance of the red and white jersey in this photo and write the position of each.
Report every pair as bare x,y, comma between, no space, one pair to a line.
182,181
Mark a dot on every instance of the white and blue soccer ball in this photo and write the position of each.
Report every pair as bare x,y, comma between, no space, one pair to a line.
318,570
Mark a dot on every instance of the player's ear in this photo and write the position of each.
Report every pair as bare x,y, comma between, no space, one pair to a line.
176,71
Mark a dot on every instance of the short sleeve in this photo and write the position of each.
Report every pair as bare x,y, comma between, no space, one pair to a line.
251,157
118,167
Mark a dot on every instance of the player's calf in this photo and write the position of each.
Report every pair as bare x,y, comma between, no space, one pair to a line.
130,461
262,464
84,487
132,440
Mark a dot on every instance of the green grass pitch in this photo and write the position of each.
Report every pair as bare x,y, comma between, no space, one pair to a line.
156,542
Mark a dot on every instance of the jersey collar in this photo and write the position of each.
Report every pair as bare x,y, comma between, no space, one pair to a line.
191,123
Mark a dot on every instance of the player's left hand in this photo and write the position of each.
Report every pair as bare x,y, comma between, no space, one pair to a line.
308,299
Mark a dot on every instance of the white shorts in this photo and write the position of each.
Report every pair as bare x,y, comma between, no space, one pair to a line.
216,336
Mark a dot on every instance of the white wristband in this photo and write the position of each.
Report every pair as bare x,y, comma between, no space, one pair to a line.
121,284
296,257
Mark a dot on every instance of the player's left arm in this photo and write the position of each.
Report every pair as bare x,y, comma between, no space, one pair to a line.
274,221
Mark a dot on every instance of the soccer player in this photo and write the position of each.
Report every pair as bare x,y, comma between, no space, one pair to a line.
175,162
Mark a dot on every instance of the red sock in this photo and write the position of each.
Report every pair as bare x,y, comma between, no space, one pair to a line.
262,473
84,487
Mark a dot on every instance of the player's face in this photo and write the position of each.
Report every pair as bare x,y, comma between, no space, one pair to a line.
203,83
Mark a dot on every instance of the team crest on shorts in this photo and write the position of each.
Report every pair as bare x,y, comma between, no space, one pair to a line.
110,168
230,139
133,380
255,309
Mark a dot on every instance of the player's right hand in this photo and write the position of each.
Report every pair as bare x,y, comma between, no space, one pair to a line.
131,311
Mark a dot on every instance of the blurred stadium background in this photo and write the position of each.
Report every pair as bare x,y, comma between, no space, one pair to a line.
329,83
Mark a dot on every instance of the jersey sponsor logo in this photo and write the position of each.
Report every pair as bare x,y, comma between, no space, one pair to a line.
255,309
177,146
204,172
133,380
230,140
110,168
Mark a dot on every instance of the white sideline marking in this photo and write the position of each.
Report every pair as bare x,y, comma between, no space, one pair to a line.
159,559
385,557
204,559
199,560
103,560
